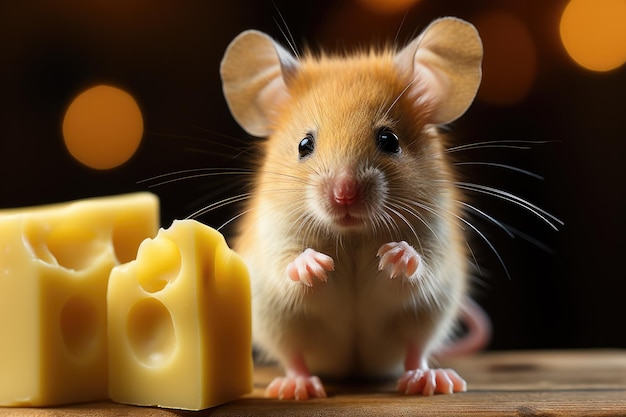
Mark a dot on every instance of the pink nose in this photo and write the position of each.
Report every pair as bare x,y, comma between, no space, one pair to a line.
345,190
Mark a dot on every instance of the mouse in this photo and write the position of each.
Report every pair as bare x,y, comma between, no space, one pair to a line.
353,231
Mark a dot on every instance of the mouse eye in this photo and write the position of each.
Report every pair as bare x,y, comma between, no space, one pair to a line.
387,141
306,146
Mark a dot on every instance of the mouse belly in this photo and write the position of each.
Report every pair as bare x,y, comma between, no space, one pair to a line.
331,354
345,331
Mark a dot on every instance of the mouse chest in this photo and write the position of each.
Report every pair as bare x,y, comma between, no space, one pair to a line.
357,292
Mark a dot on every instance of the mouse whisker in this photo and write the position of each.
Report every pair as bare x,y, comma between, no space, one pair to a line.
395,38
208,141
388,222
305,226
459,224
233,218
282,175
475,261
424,206
386,114
540,213
488,217
488,242
187,174
246,142
381,223
211,151
507,228
402,217
530,239
232,151
219,204
237,199
505,166
506,144
277,176
286,32
407,207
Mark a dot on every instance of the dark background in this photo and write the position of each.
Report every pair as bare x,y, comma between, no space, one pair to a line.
566,289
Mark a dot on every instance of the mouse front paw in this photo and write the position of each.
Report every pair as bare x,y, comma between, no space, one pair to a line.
295,388
310,265
399,258
430,382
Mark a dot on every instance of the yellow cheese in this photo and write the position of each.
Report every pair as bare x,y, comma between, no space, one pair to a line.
179,322
54,267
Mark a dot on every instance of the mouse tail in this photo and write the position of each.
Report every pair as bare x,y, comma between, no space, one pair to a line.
478,335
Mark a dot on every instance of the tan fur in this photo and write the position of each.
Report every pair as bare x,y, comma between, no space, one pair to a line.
360,321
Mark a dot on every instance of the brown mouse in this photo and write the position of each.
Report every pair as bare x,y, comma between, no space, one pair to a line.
353,232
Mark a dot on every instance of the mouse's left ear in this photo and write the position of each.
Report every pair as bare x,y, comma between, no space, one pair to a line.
255,71
443,65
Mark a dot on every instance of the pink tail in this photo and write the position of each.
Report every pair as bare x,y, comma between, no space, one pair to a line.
478,332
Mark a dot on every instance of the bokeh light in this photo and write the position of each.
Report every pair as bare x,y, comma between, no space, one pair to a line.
593,33
510,60
103,127
387,6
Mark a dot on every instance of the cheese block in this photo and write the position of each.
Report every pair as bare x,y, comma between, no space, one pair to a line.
179,321
54,268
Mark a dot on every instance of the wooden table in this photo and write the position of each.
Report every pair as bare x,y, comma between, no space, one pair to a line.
546,383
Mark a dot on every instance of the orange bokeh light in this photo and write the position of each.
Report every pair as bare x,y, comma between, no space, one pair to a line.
510,61
387,6
103,127
593,33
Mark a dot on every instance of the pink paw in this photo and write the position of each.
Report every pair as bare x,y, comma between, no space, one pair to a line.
430,382
308,265
399,258
295,388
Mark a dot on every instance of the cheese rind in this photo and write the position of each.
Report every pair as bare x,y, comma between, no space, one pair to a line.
180,322
54,267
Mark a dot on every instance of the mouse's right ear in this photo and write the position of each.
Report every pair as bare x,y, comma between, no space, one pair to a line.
255,71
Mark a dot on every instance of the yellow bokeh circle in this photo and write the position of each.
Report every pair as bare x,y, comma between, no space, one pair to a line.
593,33
103,127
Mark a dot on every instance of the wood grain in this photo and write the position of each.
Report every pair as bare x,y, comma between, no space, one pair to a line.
545,383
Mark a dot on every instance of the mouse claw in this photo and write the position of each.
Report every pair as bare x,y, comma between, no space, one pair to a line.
399,258
431,381
295,388
310,265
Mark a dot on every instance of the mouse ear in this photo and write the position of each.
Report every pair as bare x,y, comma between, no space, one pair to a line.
444,67
254,73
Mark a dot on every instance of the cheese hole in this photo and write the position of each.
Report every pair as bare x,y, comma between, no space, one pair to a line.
79,325
151,332
34,238
73,246
67,245
161,265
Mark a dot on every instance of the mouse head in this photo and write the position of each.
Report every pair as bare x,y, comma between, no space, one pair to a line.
355,136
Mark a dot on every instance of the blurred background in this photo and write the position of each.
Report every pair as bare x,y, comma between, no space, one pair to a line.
553,78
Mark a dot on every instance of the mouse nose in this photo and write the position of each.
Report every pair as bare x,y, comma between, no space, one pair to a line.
345,189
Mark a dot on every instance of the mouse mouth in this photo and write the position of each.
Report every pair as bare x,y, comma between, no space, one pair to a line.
348,220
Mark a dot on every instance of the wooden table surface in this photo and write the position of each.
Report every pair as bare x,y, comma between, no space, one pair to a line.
545,383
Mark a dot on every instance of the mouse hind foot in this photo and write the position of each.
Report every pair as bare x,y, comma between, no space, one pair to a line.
295,387
297,384
430,382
